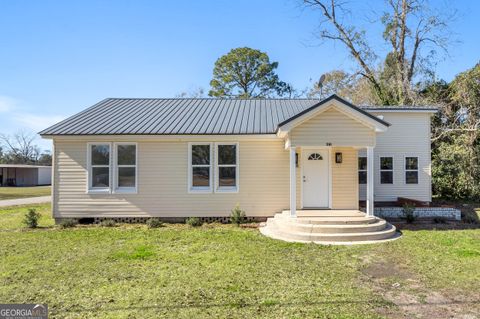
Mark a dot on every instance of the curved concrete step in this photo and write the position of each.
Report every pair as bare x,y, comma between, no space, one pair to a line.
332,220
291,225
273,231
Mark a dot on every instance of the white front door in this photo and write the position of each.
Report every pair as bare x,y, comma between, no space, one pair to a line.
315,179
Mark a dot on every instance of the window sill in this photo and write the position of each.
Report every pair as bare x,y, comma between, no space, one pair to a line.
227,190
98,191
125,190
199,190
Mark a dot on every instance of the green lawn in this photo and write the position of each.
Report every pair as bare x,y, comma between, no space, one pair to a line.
22,192
221,271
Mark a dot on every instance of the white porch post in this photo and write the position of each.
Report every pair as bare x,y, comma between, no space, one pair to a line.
293,184
370,186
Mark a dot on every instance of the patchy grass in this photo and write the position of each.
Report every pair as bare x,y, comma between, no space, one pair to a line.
23,192
219,271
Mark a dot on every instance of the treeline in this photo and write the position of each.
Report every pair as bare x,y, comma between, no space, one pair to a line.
20,148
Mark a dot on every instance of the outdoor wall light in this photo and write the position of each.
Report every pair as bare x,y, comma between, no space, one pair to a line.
338,158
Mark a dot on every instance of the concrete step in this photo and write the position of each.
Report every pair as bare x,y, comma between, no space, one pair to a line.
330,220
289,225
273,231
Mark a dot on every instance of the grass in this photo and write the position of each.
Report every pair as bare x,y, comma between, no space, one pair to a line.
219,271
23,192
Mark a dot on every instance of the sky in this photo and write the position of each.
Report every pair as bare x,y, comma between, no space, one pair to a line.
59,57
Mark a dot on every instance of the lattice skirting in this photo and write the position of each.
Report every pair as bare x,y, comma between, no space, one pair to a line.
142,220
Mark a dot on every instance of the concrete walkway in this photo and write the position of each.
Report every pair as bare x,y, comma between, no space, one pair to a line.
25,201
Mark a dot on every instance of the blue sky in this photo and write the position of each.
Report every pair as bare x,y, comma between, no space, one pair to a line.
59,57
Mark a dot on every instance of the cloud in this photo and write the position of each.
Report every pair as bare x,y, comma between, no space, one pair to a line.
37,122
7,104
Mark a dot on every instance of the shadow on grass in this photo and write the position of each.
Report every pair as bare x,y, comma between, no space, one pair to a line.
268,304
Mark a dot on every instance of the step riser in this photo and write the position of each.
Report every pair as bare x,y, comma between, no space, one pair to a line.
328,220
379,226
340,238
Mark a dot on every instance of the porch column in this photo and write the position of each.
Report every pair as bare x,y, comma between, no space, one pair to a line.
370,186
293,184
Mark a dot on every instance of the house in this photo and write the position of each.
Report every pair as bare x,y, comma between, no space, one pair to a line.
174,158
25,175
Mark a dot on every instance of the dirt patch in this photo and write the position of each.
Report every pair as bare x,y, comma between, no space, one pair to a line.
412,299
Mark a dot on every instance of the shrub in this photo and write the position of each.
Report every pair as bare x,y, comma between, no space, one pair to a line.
108,223
238,216
68,223
408,212
154,223
193,221
31,218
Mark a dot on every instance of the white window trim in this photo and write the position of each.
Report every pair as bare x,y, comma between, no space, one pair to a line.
199,189
124,190
362,170
386,170
98,190
411,170
226,189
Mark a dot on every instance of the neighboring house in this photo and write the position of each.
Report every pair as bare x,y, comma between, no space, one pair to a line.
201,157
25,175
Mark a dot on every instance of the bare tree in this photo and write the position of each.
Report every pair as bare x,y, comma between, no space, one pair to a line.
20,147
413,32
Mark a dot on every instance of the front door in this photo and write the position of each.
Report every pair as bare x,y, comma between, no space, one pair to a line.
315,179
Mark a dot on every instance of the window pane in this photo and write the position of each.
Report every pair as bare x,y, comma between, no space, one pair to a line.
227,154
100,177
411,177
126,154
362,163
200,176
200,154
386,177
362,177
386,162
126,177
227,176
411,162
100,154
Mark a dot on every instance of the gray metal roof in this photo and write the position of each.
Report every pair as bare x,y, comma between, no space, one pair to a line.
205,116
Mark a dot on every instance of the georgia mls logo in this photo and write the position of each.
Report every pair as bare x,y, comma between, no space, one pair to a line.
23,311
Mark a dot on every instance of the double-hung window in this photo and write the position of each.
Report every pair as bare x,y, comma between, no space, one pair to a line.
200,172
227,167
362,170
411,170
126,167
386,170
99,170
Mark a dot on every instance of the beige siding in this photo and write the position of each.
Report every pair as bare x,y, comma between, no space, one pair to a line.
345,179
409,135
162,183
332,126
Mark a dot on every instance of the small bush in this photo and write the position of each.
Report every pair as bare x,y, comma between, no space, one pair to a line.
408,213
31,218
154,223
193,221
68,223
238,216
108,223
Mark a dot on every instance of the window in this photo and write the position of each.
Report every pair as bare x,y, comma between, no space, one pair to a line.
315,157
362,170
99,170
411,170
126,167
227,167
386,170
200,174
